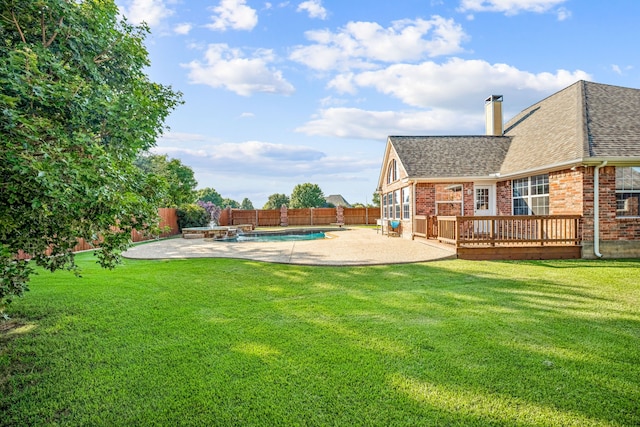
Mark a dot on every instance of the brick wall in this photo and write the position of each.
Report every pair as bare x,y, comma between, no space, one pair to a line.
565,192
619,237
503,198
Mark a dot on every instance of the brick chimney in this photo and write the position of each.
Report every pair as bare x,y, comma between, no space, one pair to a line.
493,115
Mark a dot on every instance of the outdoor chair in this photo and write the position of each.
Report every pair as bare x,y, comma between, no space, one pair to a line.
394,228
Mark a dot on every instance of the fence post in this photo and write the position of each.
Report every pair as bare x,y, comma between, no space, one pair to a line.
339,215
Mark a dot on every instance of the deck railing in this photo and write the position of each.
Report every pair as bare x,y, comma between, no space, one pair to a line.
469,231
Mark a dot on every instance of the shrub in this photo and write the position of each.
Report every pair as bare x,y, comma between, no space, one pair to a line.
192,215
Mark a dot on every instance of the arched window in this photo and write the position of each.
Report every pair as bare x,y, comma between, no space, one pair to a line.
393,173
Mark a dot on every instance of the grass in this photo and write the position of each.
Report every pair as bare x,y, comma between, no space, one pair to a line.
229,342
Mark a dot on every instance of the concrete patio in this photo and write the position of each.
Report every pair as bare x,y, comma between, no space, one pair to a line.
347,246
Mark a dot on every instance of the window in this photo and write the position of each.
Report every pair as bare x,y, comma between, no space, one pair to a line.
449,199
384,206
627,191
392,173
405,203
531,195
396,203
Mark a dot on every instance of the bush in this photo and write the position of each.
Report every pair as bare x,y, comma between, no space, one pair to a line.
192,215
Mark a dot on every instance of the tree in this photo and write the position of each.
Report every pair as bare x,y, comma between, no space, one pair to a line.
307,196
376,199
180,181
226,202
246,204
209,194
76,109
276,201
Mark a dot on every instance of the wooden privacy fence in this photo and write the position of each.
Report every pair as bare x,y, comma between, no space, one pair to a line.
168,218
299,217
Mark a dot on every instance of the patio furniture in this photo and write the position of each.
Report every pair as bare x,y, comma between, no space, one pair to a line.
394,228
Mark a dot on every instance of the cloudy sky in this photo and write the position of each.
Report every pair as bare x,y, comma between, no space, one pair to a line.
279,93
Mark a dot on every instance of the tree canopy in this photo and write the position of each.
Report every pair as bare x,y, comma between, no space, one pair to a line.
76,109
276,200
246,204
307,196
209,194
179,178
230,203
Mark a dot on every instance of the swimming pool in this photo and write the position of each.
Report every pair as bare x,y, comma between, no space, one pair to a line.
278,236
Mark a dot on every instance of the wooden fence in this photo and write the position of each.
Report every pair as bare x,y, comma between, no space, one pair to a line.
168,218
299,217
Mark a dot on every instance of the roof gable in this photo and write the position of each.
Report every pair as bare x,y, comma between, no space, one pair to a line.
450,156
613,120
548,132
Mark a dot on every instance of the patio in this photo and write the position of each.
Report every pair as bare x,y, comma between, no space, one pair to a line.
346,246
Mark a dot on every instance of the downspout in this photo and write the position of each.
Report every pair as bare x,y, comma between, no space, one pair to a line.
596,209
413,210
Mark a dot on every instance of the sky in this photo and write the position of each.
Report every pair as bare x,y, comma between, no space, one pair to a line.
280,93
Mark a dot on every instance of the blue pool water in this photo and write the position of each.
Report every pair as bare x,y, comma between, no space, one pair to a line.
278,237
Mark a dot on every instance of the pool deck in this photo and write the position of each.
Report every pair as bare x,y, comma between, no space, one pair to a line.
346,246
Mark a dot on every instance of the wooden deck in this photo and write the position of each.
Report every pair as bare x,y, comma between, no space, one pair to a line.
507,237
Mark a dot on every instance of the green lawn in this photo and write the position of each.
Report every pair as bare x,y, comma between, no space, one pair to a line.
227,342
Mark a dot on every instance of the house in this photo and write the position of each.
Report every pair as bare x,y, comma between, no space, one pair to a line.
337,200
572,156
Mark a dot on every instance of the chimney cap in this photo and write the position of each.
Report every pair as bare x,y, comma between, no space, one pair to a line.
494,98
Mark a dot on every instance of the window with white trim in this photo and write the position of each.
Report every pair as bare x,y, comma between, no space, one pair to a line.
396,203
531,195
392,173
627,191
384,206
406,198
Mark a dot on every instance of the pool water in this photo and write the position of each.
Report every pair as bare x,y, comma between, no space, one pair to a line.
273,237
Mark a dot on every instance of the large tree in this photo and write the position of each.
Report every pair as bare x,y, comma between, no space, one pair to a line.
209,194
179,178
76,109
307,196
276,200
246,204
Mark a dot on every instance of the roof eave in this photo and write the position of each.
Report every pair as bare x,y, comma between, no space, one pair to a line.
613,161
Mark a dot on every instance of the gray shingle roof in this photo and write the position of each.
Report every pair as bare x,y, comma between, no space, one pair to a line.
450,156
337,200
613,120
583,121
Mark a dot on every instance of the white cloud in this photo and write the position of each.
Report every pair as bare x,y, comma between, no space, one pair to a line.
246,115
620,70
227,68
456,83
183,28
362,44
358,123
450,97
314,8
563,14
509,7
150,11
233,14
267,167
